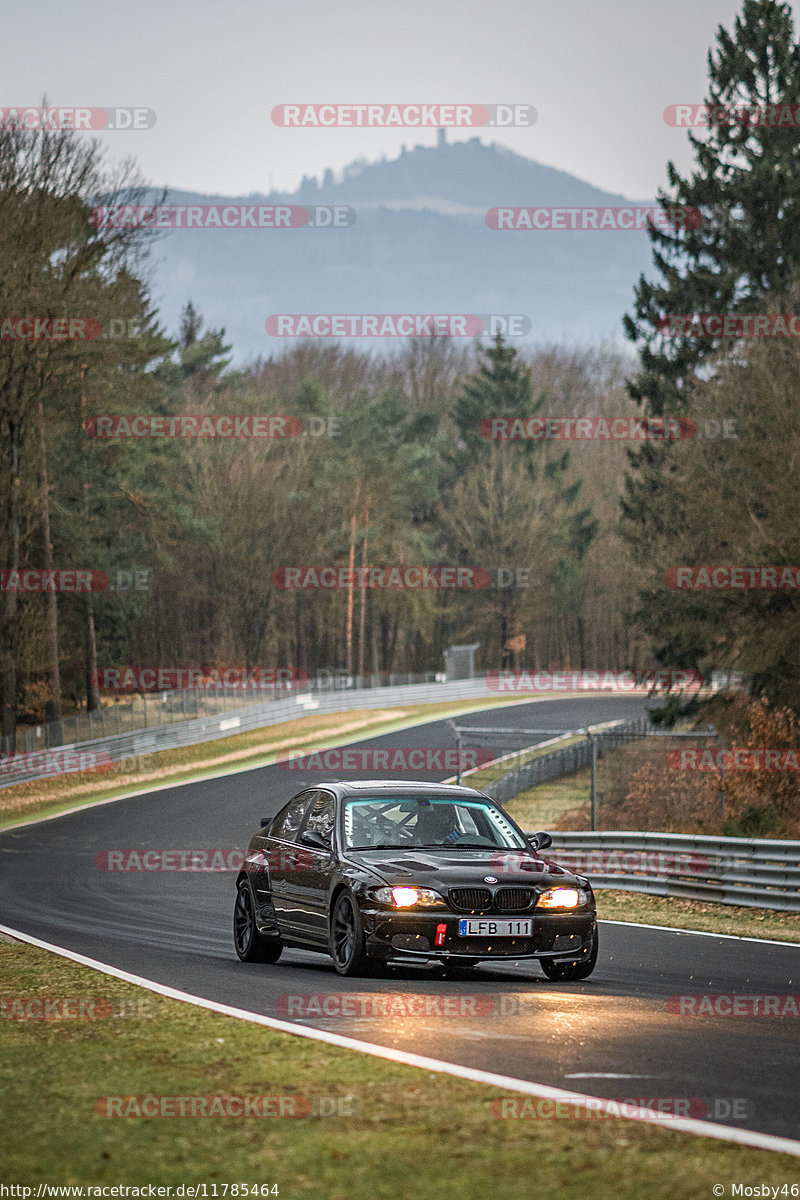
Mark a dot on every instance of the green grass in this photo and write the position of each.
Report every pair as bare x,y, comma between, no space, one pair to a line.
617,905
486,775
543,807
410,1134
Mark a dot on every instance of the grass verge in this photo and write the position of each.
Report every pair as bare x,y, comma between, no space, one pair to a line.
405,1133
614,905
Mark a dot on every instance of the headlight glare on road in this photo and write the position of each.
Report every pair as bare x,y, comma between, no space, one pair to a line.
409,897
561,897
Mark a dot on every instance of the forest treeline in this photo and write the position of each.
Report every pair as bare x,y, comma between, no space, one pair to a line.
393,465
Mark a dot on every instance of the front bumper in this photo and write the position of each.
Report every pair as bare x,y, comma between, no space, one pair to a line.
434,935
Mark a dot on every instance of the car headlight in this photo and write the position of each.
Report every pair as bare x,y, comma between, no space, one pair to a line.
561,897
408,897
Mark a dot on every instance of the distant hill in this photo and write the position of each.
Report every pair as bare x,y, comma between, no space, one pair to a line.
419,244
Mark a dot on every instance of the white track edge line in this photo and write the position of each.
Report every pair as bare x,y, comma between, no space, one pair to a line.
742,1137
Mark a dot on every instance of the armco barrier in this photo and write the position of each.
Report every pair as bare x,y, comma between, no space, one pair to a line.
754,873
562,762
257,716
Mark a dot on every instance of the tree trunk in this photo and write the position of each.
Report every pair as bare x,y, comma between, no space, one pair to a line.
363,613
9,648
53,704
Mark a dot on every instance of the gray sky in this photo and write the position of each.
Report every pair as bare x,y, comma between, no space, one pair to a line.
599,73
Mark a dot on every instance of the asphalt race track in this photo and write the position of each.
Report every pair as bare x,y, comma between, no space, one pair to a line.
614,1035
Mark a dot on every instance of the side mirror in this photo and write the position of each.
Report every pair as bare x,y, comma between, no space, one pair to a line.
265,821
315,840
540,841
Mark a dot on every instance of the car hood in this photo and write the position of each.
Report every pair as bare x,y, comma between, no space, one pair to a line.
461,868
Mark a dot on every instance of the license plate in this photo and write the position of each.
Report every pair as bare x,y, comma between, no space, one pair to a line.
482,927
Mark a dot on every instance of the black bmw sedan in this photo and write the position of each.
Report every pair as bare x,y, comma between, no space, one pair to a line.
380,870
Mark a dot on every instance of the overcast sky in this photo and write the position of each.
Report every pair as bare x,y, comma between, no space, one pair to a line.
599,73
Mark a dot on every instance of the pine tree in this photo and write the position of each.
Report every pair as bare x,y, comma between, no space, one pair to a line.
740,258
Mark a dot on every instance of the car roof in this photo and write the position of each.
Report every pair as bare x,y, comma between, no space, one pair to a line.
405,787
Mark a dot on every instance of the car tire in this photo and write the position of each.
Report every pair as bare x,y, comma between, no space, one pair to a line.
568,972
251,946
347,941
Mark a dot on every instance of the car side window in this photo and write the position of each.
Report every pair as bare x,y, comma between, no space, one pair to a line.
322,815
287,827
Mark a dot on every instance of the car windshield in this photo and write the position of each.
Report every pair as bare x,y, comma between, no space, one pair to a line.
403,822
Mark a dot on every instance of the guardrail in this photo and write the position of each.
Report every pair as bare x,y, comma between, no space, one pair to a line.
565,761
753,873
154,709
256,716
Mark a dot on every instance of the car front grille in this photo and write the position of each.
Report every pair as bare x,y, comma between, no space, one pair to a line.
475,899
471,899
514,899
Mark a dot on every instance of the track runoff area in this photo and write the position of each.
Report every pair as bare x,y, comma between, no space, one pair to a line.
168,931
